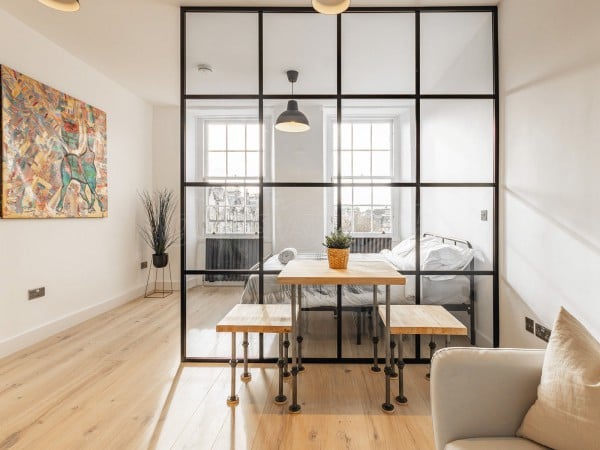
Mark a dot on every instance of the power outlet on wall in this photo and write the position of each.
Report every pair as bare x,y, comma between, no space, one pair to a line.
542,332
144,265
36,293
529,324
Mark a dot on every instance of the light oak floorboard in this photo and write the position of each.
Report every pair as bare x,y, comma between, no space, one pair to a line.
115,382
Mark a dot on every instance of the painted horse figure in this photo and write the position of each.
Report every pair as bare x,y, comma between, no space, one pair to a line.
78,167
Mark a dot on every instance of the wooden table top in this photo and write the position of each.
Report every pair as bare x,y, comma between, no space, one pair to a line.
254,318
358,272
422,319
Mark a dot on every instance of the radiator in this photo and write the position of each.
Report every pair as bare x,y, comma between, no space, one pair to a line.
370,244
230,254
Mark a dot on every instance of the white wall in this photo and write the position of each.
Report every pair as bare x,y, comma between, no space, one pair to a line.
550,67
86,265
165,168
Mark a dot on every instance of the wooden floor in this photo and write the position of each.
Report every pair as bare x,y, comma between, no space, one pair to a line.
115,382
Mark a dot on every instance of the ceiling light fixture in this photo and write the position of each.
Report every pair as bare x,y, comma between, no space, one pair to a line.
331,6
292,120
62,5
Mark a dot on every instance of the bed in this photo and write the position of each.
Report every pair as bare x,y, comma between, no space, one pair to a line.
454,292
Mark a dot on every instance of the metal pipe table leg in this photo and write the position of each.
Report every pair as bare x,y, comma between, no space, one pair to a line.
294,407
431,352
286,346
300,323
233,399
394,374
375,368
246,375
387,406
400,398
280,399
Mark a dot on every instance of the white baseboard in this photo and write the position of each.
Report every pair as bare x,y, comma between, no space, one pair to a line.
482,339
36,335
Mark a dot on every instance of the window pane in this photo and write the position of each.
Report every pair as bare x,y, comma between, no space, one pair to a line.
346,136
456,53
381,136
236,136
252,136
382,219
216,134
382,196
362,195
236,164
252,162
346,196
228,43
378,53
381,164
216,164
362,219
361,166
361,136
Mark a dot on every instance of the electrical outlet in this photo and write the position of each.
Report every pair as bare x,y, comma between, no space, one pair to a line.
542,332
144,265
36,293
484,215
529,324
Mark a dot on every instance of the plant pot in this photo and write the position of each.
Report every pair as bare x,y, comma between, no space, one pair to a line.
338,258
160,261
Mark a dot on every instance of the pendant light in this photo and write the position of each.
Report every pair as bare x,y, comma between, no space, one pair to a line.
292,120
62,5
330,6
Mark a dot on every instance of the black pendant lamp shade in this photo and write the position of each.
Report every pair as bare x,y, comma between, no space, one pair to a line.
292,120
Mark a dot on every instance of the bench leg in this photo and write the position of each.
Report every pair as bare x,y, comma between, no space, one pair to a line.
280,399
300,321
375,368
246,376
233,399
400,398
294,407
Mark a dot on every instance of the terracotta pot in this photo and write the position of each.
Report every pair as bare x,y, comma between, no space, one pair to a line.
338,258
160,261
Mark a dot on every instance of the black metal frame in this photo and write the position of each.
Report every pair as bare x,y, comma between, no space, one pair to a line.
417,184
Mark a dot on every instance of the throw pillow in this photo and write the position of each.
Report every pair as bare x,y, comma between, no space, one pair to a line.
566,414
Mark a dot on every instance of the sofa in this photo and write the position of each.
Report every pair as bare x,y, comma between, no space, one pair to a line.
480,396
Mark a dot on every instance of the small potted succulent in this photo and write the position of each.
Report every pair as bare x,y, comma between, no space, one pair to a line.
158,232
338,249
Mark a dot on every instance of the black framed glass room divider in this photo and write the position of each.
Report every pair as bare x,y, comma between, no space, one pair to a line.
402,152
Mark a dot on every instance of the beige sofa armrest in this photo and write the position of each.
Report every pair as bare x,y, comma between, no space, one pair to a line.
479,392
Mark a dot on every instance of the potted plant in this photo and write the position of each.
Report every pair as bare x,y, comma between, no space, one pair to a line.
158,232
338,249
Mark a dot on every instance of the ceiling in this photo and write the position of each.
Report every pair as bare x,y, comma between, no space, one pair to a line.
136,42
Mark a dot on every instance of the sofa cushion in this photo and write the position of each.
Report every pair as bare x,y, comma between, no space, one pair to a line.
566,414
493,443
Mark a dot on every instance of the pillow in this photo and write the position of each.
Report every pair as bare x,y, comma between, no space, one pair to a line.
566,414
286,255
404,247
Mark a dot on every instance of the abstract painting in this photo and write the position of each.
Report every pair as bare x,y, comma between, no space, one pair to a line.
53,152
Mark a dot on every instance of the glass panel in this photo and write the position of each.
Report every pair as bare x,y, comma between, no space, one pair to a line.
286,38
457,141
456,53
222,230
378,141
457,213
305,156
378,53
222,140
461,294
228,43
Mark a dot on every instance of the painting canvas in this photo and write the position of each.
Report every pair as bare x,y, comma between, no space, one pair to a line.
53,152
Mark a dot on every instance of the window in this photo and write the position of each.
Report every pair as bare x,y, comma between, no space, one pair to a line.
232,155
366,157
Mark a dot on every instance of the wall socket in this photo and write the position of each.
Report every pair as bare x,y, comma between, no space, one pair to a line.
529,324
542,332
36,293
144,265
484,215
